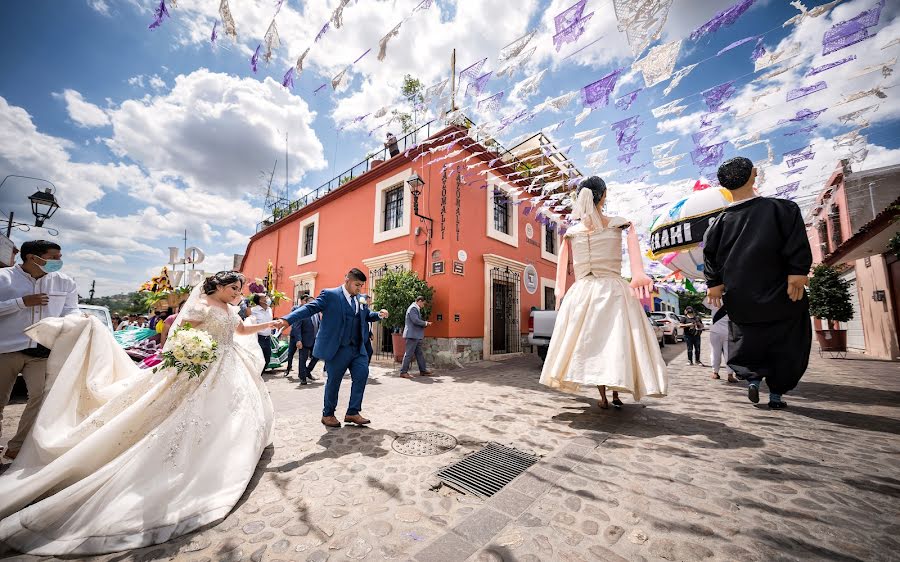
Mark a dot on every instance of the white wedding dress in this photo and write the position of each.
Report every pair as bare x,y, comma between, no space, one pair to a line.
122,458
602,335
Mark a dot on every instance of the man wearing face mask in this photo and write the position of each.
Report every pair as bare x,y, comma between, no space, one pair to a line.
30,292
261,313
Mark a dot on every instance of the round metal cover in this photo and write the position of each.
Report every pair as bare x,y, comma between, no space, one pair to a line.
424,443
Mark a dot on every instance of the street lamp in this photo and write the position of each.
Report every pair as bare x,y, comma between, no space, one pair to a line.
43,205
415,184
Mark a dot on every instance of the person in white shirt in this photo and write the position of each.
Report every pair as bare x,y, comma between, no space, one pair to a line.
261,313
30,292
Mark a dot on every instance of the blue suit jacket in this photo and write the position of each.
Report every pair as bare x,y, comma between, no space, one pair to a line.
332,304
303,331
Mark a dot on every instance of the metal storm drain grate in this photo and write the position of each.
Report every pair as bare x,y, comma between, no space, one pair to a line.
424,443
486,472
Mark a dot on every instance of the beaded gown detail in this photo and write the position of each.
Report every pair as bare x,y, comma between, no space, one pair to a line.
602,335
121,457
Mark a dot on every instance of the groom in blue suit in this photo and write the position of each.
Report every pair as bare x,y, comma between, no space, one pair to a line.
341,343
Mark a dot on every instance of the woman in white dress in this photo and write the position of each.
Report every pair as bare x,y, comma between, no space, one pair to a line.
602,336
122,458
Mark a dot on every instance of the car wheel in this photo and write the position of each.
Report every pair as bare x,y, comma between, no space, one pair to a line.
671,338
662,342
542,352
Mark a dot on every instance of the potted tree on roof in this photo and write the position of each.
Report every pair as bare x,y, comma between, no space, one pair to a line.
829,299
394,293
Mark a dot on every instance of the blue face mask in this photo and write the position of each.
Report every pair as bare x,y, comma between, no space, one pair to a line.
51,266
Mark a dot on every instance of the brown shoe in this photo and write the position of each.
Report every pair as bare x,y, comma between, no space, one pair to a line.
357,419
10,454
426,373
330,421
405,376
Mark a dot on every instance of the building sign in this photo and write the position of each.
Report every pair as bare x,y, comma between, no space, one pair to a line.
459,268
681,234
7,252
192,256
437,267
533,242
529,231
462,256
530,279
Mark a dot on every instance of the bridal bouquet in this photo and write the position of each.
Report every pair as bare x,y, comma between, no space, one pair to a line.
190,350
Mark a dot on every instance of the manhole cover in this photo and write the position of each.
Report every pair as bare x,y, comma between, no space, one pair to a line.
424,443
487,471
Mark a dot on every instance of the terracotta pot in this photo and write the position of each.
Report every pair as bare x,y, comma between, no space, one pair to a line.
832,340
399,347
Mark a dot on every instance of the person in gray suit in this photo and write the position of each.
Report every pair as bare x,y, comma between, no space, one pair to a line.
413,334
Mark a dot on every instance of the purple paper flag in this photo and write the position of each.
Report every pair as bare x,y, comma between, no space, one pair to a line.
491,103
212,38
707,156
703,137
852,31
626,157
625,101
706,120
596,94
737,43
319,89
288,80
803,115
469,73
571,33
817,69
160,13
786,189
798,155
716,96
569,16
805,91
795,171
477,86
361,56
722,19
758,51
802,130
322,32
254,60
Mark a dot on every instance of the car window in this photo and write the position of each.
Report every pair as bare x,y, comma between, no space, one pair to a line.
100,314
657,315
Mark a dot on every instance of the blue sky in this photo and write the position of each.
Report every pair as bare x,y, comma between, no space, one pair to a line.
148,133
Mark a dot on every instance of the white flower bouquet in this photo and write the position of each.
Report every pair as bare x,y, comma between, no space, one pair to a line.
188,350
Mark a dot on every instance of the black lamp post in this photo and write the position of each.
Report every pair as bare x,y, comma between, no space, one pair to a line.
415,183
43,206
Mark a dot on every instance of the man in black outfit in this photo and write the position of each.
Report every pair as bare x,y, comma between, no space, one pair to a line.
757,260
303,338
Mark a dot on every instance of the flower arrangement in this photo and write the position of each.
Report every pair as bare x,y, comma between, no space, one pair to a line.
190,350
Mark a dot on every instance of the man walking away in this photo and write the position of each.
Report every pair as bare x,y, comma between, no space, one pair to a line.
757,260
693,327
303,338
413,334
30,292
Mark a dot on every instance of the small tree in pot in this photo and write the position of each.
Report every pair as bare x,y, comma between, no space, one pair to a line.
394,293
829,299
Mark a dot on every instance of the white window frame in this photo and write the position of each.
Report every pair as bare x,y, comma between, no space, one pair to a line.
547,284
308,277
314,221
494,183
544,253
379,234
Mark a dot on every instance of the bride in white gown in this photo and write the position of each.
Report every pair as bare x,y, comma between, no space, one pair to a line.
602,336
120,457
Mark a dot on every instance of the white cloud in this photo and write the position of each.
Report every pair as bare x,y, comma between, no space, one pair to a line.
137,81
99,6
83,113
215,132
97,257
157,83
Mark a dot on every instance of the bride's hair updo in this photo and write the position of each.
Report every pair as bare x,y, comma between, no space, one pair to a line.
220,279
597,187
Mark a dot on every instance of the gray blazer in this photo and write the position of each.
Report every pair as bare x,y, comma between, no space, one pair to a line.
415,326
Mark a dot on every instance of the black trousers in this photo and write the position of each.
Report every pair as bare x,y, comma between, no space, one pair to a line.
265,343
776,351
693,347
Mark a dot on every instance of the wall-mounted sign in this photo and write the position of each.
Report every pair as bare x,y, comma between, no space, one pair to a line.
459,268
530,279
437,267
462,256
7,252
533,242
436,255
192,256
529,231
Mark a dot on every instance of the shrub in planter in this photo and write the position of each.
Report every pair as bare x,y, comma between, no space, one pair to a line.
829,299
395,292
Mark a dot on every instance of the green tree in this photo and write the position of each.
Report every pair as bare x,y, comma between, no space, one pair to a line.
693,300
829,295
395,292
412,90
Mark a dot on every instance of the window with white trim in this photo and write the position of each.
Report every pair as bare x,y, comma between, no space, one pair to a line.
308,241
393,208
502,213
393,204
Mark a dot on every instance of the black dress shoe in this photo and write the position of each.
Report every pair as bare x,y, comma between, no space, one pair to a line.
777,405
303,382
753,393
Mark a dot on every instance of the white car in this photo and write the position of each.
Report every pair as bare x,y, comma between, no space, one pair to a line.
100,312
670,322
707,321
658,330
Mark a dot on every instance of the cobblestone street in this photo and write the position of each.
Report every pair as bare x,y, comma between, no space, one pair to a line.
701,474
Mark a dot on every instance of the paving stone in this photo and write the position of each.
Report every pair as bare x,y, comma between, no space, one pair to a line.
298,530
590,527
257,555
253,527
262,537
612,534
482,526
510,502
446,548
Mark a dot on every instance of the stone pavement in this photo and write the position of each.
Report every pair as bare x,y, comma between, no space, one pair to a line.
701,474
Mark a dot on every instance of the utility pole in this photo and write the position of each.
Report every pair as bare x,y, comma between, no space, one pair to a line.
9,225
452,82
91,294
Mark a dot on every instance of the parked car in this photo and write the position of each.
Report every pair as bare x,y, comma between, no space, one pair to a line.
670,322
540,329
707,321
100,312
659,331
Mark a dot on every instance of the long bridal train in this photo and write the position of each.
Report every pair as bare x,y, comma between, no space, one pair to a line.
122,458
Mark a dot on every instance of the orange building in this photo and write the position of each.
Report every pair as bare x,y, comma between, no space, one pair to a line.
488,258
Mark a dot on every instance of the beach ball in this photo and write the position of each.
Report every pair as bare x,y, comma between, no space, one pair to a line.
676,234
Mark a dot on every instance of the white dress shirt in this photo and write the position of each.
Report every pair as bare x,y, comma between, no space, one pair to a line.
261,316
15,284
351,300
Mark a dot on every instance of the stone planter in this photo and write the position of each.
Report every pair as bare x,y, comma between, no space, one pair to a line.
399,346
